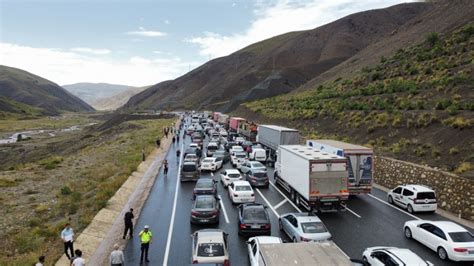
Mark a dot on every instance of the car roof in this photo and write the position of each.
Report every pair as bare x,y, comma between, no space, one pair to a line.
210,158
241,183
212,144
232,171
205,197
267,239
448,226
418,188
189,162
403,254
210,235
204,180
304,216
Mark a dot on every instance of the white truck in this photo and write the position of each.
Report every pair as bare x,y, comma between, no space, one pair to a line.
272,136
315,180
359,162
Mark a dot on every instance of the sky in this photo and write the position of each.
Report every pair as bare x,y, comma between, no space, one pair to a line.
143,42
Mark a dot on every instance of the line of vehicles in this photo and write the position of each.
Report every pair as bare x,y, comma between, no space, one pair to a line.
318,177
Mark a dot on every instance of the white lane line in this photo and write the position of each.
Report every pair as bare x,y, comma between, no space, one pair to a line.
396,208
291,202
280,204
268,203
212,173
223,209
351,211
173,214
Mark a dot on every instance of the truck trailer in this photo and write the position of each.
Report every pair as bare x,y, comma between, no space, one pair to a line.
249,130
315,180
272,136
234,123
359,162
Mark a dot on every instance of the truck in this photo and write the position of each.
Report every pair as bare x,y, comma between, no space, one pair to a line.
302,253
271,136
234,123
248,130
215,116
315,180
359,162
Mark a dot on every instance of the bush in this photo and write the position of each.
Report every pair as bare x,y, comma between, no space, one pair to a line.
432,38
463,167
66,190
51,163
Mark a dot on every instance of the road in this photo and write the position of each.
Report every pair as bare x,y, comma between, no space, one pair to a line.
369,221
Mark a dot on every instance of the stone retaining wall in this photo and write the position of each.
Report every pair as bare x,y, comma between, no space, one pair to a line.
455,194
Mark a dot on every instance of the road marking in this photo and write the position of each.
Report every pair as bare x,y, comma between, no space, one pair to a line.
351,211
268,203
396,208
291,202
280,204
173,214
223,209
212,173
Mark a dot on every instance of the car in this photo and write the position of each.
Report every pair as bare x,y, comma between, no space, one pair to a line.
211,164
215,139
303,227
230,144
380,256
211,148
205,186
190,130
189,171
253,247
257,178
258,154
197,138
191,158
252,165
205,210
194,145
414,198
223,134
238,158
230,175
235,149
239,140
190,151
222,155
448,239
254,219
241,192
246,144
210,246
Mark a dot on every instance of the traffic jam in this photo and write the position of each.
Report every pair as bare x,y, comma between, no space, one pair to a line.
314,182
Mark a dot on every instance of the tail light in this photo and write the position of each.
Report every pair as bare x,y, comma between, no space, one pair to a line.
460,249
343,191
195,262
267,226
194,213
304,239
226,263
243,226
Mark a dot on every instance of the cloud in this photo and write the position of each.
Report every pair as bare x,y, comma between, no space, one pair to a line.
146,33
280,16
234,4
67,67
90,50
166,21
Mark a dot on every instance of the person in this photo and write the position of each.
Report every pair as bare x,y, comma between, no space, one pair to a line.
165,165
178,153
128,221
158,143
198,153
145,240
174,139
143,155
40,261
67,235
78,260
116,257
177,137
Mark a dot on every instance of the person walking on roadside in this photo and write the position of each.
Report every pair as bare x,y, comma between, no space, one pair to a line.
145,240
178,153
158,143
177,137
165,167
78,260
40,261
116,257
174,139
67,235
128,221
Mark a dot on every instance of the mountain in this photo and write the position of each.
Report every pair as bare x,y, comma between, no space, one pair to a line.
89,92
277,65
24,93
117,100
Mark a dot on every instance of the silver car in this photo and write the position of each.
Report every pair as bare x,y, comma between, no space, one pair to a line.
210,246
251,166
303,227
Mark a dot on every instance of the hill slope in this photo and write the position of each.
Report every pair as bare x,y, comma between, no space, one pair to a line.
277,65
90,92
24,93
117,100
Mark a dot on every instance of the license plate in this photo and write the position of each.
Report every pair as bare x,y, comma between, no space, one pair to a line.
204,220
255,226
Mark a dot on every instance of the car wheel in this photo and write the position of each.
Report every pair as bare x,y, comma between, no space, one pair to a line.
409,208
408,233
390,199
294,240
442,254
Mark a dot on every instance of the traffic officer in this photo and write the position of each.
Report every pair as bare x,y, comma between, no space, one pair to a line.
145,239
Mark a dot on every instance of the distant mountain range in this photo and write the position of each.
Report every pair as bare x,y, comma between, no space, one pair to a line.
23,93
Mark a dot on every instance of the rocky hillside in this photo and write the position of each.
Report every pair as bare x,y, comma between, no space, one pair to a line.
117,100
277,65
92,92
23,93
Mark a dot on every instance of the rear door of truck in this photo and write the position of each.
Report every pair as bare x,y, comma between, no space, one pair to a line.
328,179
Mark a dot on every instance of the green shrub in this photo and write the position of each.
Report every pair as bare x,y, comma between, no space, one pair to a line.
51,163
453,151
432,38
65,190
463,167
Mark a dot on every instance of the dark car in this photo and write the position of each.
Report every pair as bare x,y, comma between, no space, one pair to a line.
205,210
257,178
189,171
205,186
254,219
222,154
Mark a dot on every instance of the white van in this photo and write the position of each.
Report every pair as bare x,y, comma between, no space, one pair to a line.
258,154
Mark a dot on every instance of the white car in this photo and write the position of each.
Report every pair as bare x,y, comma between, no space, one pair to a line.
381,256
241,192
238,158
223,133
211,164
191,158
230,175
448,239
210,246
235,149
414,198
303,227
239,140
252,166
193,145
253,247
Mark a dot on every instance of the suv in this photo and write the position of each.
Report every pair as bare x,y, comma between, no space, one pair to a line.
189,172
415,198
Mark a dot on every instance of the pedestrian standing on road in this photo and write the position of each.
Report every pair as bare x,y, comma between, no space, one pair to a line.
128,221
116,257
145,240
174,139
165,165
158,143
177,137
67,235
178,153
40,261
198,152
78,260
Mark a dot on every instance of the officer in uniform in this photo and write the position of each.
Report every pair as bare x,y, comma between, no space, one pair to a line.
145,239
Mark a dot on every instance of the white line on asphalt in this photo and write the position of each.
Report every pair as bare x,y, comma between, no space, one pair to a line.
223,209
386,203
353,212
280,204
268,203
291,202
173,213
212,173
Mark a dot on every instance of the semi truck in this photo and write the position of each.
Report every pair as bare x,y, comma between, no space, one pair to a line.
272,136
215,116
234,123
359,162
249,130
224,120
315,180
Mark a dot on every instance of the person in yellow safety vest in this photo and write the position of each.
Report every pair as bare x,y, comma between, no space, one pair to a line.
145,239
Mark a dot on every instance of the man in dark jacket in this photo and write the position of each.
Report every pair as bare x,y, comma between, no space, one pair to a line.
128,220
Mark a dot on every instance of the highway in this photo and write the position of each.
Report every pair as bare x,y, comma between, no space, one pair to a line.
369,221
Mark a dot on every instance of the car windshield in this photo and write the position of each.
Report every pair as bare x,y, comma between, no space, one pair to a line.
191,157
189,168
243,188
210,250
207,160
219,153
254,214
233,175
256,165
212,147
204,183
240,155
313,227
462,237
260,174
426,195
204,203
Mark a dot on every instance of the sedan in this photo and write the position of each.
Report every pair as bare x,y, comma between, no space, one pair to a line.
205,210
230,175
241,192
303,227
254,219
191,158
257,178
211,164
210,246
222,155
238,158
448,239
380,256
239,140
252,166
205,186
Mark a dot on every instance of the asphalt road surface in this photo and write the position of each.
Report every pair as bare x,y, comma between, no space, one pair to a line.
368,221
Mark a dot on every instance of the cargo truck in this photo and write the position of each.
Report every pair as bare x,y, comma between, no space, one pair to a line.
315,180
248,130
224,120
359,162
272,136
215,116
234,123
